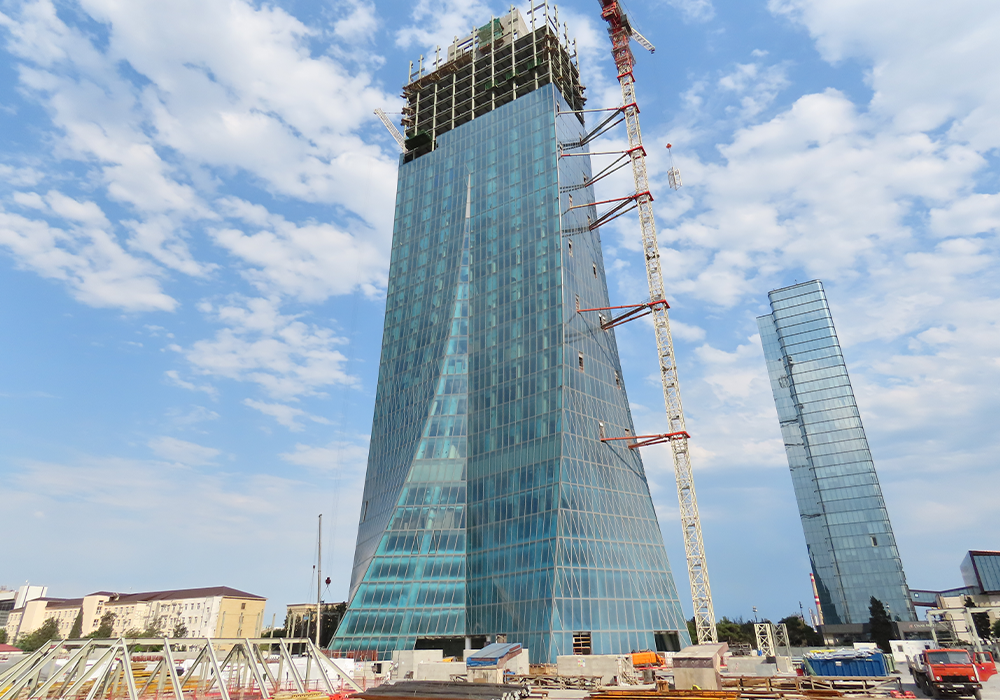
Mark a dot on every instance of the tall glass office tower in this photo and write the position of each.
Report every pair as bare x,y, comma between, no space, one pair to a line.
491,506
851,546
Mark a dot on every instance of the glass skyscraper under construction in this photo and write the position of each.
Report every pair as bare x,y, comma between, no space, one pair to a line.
491,506
851,546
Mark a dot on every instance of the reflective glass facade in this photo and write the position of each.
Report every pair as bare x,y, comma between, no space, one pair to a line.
491,506
850,542
981,571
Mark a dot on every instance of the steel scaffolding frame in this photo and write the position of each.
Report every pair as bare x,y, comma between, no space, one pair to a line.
96,669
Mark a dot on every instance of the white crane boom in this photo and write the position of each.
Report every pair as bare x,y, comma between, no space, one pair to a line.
392,129
694,547
643,41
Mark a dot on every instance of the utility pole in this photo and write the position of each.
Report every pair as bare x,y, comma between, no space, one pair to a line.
319,580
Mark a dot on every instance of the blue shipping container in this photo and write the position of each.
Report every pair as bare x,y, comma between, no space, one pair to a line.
860,665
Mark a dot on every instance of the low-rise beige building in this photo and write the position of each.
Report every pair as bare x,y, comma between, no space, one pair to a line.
217,611
64,611
952,620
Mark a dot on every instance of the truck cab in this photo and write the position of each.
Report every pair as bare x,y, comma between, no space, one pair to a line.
953,672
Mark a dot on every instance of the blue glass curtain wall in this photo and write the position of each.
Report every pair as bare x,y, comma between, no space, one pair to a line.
559,531
848,536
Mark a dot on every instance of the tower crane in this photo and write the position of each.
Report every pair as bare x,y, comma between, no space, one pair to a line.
621,32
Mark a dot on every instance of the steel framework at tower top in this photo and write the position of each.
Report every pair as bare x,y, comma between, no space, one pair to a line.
704,615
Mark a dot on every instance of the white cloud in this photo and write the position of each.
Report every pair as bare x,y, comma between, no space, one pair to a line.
756,85
358,21
286,357
336,456
311,261
174,377
287,416
194,416
20,177
284,414
438,22
819,188
684,331
182,451
85,256
976,213
177,102
939,65
694,10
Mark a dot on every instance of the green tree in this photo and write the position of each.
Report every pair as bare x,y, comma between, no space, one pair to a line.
693,631
152,630
982,622
800,634
735,631
996,629
74,632
3,636
44,634
180,630
104,628
879,624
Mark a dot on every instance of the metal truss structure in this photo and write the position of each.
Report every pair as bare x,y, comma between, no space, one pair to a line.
636,441
781,640
642,202
393,131
226,669
764,634
772,638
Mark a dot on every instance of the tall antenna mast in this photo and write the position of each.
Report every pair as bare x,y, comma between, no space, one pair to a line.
319,580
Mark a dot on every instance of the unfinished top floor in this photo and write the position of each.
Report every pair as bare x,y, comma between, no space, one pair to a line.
507,57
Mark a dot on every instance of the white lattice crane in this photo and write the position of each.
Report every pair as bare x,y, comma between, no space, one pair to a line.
694,548
392,129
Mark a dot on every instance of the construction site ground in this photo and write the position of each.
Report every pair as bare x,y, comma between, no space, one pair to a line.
991,691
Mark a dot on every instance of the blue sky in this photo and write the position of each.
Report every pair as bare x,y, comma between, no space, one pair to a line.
195,216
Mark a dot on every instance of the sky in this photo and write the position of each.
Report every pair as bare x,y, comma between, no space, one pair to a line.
195,217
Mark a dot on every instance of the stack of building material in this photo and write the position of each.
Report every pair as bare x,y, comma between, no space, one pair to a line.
664,695
493,656
768,689
815,686
497,663
443,690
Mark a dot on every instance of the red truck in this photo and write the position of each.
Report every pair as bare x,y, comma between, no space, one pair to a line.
940,672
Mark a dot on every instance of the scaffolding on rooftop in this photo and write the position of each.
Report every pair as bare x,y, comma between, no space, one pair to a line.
495,64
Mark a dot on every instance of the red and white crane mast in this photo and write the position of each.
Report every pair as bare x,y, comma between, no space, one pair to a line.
704,615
